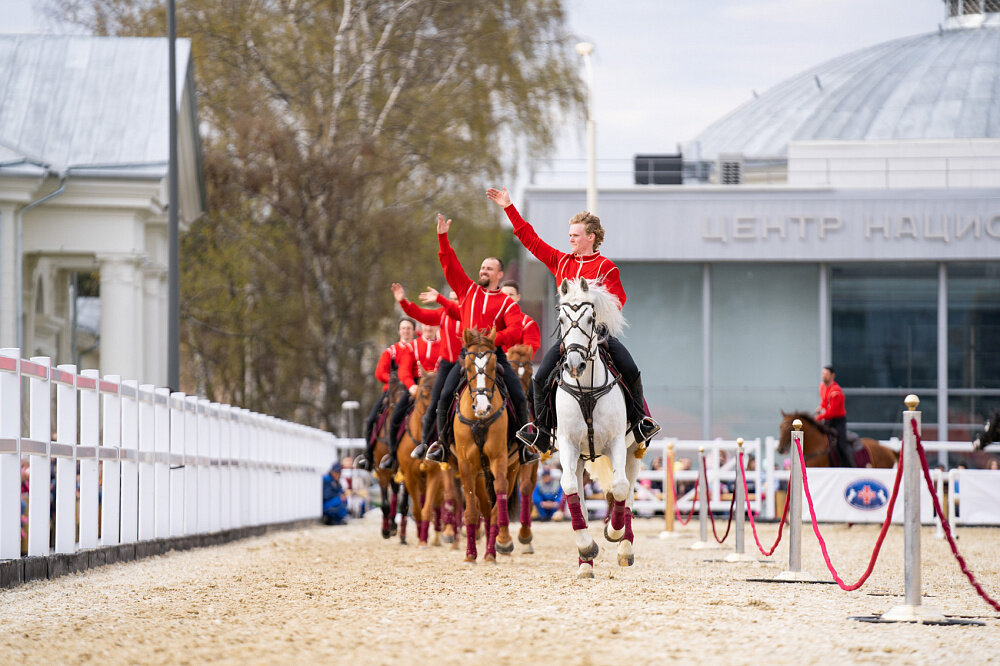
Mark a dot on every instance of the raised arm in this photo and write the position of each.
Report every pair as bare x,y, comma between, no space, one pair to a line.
544,252
423,315
453,271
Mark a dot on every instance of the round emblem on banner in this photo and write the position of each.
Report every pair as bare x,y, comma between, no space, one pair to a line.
866,494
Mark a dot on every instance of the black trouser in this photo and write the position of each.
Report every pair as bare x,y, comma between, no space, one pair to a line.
427,425
398,414
839,426
509,378
370,424
634,405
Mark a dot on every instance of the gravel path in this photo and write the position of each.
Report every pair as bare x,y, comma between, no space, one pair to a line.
344,594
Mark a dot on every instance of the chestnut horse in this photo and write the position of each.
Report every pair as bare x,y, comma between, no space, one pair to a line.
416,474
388,485
487,464
519,357
816,443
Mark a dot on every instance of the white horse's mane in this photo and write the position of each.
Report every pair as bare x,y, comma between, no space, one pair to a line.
607,307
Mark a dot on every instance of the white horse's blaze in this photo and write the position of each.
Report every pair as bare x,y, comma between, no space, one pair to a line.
482,405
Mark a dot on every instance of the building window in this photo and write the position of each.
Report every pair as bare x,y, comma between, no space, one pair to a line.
884,341
973,352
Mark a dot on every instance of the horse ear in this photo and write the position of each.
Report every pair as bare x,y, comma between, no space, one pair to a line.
583,284
493,334
564,287
467,337
783,414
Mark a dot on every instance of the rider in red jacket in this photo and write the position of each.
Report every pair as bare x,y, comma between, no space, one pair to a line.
483,307
585,236
833,415
531,335
398,358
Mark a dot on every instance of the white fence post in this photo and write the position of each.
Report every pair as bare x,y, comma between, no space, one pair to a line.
161,464
40,470
10,453
89,454
130,464
225,466
147,479
64,451
215,455
179,475
192,467
110,461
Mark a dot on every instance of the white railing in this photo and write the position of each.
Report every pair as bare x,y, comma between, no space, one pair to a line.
152,463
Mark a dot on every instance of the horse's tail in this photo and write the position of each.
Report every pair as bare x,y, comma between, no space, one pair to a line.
600,470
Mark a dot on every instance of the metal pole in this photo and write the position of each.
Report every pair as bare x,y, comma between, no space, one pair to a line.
585,49
703,503
740,509
794,572
669,486
174,289
912,611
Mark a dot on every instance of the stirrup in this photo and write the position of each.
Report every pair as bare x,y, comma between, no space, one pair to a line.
388,462
418,452
435,453
529,454
645,430
361,462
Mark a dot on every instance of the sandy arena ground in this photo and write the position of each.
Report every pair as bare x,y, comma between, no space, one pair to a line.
343,595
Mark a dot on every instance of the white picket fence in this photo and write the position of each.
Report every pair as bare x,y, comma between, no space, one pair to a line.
155,464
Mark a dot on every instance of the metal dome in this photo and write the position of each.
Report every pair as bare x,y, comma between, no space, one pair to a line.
943,85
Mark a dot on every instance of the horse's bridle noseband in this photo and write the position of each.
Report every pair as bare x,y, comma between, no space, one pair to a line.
594,337
481,370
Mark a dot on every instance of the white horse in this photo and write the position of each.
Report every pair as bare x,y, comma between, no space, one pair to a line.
590,413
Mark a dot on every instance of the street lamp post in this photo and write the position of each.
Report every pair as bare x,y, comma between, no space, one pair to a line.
584,49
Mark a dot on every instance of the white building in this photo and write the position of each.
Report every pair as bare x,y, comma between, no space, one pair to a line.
859,224
83,192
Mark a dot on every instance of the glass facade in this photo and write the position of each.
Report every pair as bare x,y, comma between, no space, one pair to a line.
973,345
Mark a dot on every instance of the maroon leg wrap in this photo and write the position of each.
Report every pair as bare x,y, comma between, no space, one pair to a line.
525,510
470,540
503,519
580,561
402,528
575,512
618,515
425,528
628,526
393,501
491,540
386,522
437,519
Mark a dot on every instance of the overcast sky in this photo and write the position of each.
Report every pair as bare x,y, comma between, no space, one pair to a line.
665,69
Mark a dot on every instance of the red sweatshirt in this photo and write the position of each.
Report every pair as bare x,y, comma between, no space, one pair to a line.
451,328
428,353
530,335
567,266
831,399
481,308
406,363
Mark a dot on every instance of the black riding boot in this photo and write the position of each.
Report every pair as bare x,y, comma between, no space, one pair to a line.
539,433
644,428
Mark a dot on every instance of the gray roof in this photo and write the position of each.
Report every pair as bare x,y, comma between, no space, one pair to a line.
80,100
943,85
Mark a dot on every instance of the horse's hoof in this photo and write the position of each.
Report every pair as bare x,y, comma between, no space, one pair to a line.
505,548
470,559
436,541
448,538
421,544
590,552
402,541
522,539
527,549
393,531
386,534
626,556
489,558
607,534
585,571
454,545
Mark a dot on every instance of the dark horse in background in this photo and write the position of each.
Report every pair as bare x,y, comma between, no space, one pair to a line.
990,433
817,447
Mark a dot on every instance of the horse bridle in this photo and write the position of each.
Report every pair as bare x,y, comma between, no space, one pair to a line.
481,370
588,350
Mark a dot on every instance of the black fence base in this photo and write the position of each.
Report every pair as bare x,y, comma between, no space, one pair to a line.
22,570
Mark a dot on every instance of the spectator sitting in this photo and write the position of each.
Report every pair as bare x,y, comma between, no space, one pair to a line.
353,482
548,497
334,498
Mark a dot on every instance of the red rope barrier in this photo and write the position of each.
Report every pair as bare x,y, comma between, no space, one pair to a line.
677,512
753,525
944,522
712,518
819,537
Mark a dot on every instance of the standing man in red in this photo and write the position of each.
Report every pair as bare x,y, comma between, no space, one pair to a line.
833,415
451,345
585,235
482,307
397,358
426,352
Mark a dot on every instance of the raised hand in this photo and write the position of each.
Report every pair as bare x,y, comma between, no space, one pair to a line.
443,225
397,291
501,197
429,296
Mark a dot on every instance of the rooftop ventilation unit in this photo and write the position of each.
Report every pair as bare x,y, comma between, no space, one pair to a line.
659,169
730,169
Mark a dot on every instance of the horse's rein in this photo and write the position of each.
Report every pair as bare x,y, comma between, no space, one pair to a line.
489,391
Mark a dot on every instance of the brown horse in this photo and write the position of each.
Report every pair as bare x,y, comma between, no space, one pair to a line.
816,443
487,464
519,357
416,474
388,486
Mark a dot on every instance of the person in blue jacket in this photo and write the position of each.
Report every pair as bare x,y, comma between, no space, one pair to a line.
548,496
334,498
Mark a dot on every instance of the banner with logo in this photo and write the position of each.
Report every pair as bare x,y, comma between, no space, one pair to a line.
978,493
859,496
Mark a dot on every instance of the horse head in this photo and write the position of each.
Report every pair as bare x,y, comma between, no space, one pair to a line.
519,357
588,314
480,369
990,433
